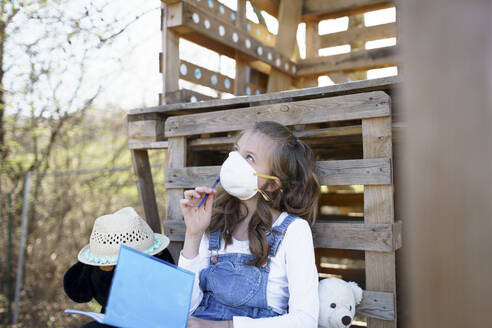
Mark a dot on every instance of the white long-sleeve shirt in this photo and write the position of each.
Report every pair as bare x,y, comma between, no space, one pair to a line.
293,278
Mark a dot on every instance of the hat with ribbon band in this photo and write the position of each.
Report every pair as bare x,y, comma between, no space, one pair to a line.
122,227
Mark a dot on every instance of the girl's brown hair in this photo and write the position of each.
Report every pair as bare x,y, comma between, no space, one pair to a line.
294,163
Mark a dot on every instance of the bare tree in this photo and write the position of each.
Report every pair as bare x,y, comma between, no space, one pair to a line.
45,83
48,82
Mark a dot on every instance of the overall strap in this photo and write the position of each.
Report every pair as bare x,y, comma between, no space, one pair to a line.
278,233
214,240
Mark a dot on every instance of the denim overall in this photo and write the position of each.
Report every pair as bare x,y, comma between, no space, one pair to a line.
233,288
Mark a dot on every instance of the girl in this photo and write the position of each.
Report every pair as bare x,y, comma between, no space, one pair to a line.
252,250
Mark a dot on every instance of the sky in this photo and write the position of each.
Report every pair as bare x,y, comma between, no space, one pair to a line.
135,80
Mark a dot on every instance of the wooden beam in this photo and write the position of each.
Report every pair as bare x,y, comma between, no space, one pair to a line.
339,235
312,48
352,61
354,236
319,9
145,186
177,159
201,75
386,83
225,142
355,171
356,22
185,95
150,128
339,77
171,2
379,208
241,75
270,6
229,16
370,33
349,107
134,144
169,56
378,305
324,9
288,20
185,18
334,173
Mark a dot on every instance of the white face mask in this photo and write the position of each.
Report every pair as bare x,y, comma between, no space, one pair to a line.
239,178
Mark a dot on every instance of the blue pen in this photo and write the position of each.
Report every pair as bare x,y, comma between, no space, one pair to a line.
206,196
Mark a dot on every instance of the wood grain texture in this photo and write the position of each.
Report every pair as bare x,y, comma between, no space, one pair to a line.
226,142
288,19
241,74
177,158
386,83
322,9
339,235
354,236
230,16
379,208
333,173
185,96
352,61
371,104
312,47
170,55
338,77
378,305
270,6
370,33
145,186
374,171
189,18
132,144
146,130
206,77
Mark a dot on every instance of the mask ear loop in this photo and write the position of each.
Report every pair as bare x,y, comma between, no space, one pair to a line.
265,196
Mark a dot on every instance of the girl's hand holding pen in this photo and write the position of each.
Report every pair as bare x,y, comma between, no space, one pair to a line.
197,219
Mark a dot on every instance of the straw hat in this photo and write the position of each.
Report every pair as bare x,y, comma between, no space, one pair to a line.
122,227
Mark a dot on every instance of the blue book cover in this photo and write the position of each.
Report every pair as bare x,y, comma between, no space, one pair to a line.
148,292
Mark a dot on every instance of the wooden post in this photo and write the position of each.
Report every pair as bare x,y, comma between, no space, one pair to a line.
312,47
379,208
354,23
241,68
145,186
447,163
169,58
285,42
177,159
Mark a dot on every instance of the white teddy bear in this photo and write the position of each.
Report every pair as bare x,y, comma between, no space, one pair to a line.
337,301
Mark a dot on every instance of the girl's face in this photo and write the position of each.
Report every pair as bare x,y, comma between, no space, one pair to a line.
255,147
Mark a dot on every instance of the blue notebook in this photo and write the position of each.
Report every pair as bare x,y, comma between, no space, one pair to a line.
146,292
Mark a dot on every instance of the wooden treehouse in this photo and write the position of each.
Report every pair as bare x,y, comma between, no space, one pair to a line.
352,126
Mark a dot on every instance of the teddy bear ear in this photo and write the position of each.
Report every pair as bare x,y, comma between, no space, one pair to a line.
357,291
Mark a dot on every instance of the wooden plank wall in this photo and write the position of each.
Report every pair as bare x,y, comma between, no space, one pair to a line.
378,236
447,164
